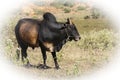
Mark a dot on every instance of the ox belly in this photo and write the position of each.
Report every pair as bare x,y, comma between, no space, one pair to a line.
49,46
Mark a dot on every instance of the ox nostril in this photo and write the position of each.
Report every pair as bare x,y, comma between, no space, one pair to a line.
79,38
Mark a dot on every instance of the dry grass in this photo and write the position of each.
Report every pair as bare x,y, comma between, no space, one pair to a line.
73,61
75,58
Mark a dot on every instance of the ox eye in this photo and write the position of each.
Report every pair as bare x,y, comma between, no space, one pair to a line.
64,24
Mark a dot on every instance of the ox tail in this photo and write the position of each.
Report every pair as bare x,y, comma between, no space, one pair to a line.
18,38
18,51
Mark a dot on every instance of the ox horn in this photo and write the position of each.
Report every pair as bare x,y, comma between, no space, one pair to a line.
69,21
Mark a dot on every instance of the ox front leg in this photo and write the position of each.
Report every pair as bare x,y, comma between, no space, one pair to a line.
55,60
44,58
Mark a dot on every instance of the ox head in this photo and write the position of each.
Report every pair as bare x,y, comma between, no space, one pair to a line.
72,31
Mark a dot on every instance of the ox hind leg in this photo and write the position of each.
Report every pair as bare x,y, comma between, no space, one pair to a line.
18,53
55,60
24,55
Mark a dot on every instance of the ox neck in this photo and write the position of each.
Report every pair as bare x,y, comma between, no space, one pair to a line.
65,36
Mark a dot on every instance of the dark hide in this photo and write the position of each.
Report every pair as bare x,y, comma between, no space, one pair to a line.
47,34
49,17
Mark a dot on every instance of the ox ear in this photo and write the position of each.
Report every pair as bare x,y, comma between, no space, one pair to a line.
69,21
63,27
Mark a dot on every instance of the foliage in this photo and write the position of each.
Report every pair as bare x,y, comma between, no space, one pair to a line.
95,13
81,8
57,5
38,12
67,10
103,39
68,4
39,3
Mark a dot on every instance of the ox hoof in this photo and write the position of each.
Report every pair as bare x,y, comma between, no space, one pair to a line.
28,65
57,67
43,67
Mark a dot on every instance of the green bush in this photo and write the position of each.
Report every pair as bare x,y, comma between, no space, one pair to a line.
81,8
57,5
67,10
61,4
95,13
68,4
102,40
38,12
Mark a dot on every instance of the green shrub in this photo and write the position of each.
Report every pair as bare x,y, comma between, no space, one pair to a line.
102,40
57,5
38,12
61,4
68,4
95,13
81,8
67,10
39,3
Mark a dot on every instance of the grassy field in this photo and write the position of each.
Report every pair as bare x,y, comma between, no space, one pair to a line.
76,58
